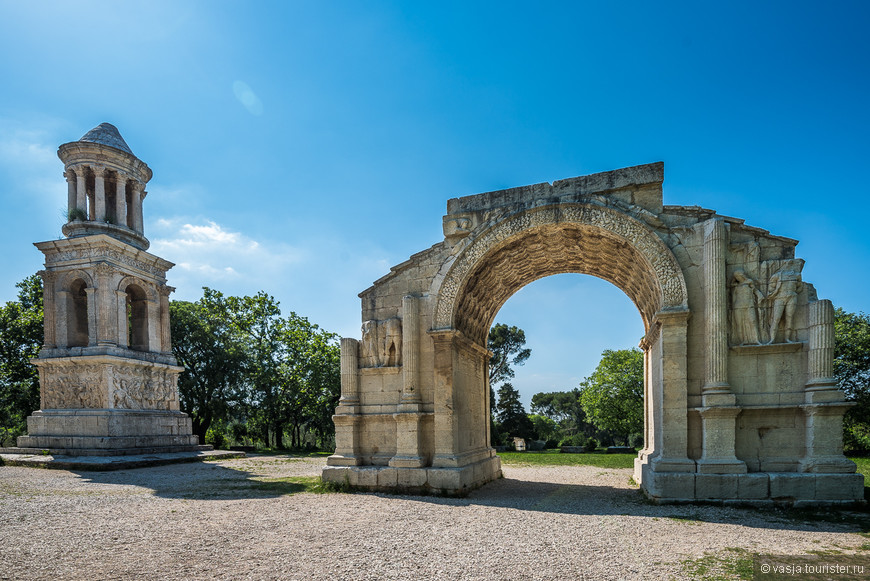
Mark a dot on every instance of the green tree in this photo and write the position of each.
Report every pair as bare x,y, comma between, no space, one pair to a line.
566,409
612,397
212,353
257,319
21,338
309,379
506,344
852,370
511,413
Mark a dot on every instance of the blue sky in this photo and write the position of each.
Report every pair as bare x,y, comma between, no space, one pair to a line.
303,148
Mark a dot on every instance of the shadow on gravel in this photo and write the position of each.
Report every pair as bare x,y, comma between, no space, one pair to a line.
201,481
606,500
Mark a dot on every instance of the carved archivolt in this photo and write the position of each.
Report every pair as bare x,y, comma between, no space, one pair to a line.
628,254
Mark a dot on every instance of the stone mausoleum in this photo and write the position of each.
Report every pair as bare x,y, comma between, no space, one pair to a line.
108,379
740,400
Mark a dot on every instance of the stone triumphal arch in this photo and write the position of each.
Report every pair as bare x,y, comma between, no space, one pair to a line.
739,401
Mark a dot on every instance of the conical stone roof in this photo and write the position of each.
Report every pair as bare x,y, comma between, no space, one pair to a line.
107,134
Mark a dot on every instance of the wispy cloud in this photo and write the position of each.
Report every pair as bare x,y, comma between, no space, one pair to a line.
210,253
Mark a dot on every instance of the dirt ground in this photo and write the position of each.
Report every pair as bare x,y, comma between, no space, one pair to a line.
243,519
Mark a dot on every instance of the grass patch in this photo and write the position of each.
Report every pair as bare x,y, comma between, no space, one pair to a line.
734,563
554,458
294,484
864,469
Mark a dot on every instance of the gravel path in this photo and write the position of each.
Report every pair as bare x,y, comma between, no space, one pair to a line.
216,521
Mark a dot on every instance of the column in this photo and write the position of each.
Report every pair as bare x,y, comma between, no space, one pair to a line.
49,309
408,416
820,360
346,418
410,351
670,390
719,411
825,403
70,193
81,191
165,334
92,316
446,421
99,194
61,320
715,308
123,323
135,208
153,308
121,199
106,331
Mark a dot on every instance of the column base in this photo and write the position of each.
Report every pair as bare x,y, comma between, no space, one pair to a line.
721,466
417,480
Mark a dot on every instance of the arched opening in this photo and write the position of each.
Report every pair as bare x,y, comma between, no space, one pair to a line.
128,195
533,244
111,198
137,318
90,190
569,320
77,315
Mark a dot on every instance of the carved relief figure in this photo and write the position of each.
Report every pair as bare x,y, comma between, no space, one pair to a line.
369,346
745,298
784,288
391,348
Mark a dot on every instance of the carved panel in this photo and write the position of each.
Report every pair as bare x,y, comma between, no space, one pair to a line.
381,344
72,386
142,387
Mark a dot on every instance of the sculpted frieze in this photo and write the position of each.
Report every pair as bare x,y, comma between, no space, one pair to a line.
381,344
763,310
93,253
72,386
142,388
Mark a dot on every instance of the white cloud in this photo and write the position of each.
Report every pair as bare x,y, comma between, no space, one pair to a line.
208,253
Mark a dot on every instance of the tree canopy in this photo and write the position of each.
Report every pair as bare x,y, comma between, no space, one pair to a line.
612,397
852,370
506,344
21,338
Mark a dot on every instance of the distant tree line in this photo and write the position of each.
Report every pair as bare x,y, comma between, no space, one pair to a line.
251,377
255,377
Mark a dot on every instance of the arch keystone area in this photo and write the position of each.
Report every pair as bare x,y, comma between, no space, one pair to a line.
723,306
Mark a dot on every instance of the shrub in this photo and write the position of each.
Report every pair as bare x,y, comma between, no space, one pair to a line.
635,441
591,444
573,440
215,436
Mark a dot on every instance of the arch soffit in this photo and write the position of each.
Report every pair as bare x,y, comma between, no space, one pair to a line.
69,277
665,270
148,289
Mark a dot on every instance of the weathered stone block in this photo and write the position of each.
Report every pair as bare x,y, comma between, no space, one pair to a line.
753,486
388,477
792,486
839,487
715,486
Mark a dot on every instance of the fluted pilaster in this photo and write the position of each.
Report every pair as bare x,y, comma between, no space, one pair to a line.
716,307
821,343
